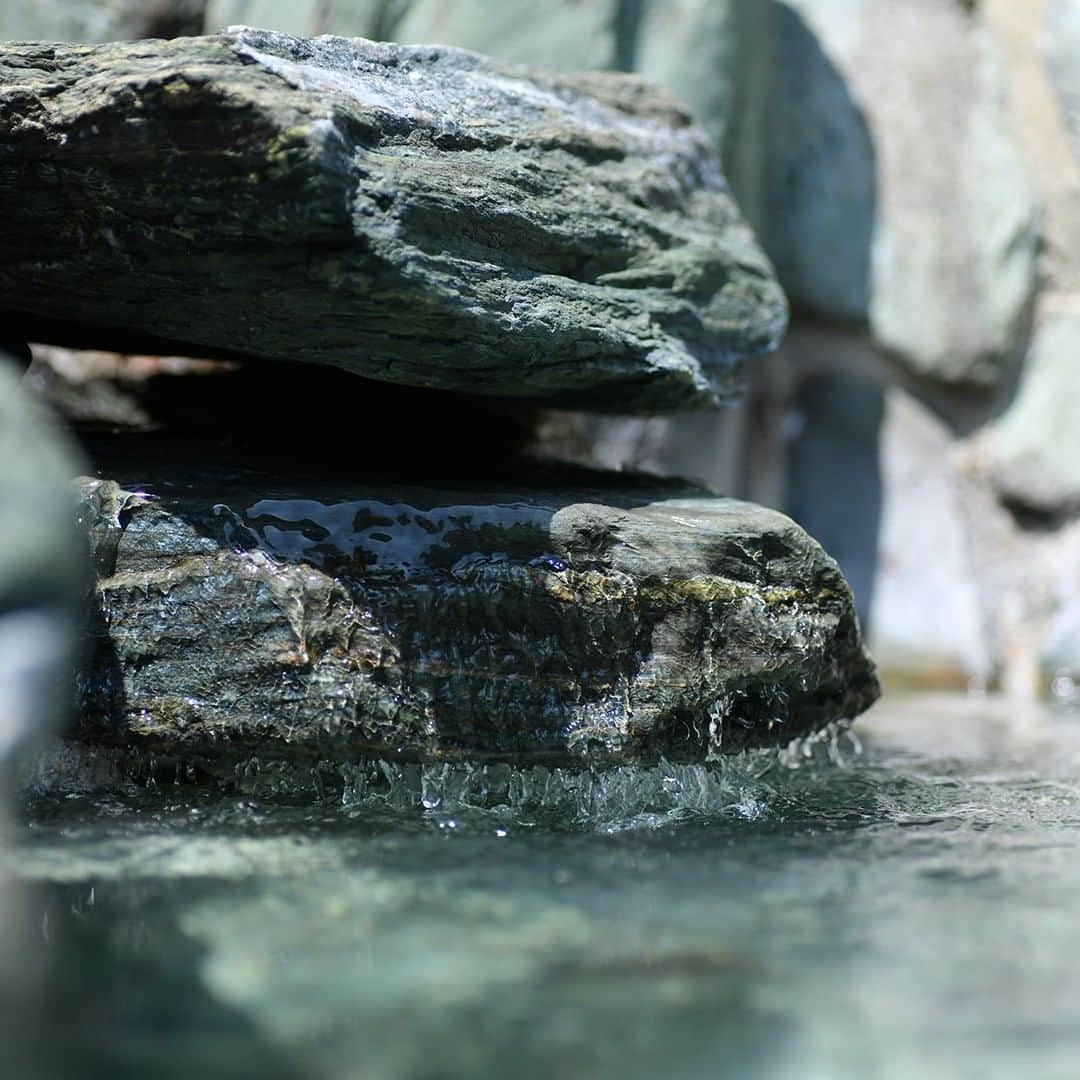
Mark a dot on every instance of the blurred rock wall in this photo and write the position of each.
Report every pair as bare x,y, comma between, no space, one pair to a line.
99,20
913,167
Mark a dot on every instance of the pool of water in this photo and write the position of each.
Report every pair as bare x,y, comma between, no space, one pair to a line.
912,910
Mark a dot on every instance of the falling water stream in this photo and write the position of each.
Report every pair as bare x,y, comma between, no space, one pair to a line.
910,910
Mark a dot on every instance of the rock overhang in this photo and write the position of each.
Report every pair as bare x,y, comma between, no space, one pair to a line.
413,213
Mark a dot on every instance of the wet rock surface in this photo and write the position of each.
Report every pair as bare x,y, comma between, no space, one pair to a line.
583,618
414,214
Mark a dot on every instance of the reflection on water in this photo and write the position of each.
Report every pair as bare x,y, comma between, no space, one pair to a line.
908,912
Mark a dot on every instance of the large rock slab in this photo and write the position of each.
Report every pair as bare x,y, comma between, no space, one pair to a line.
587,619
712,55
415,214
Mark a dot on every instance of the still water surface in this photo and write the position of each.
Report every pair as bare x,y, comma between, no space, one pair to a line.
910,911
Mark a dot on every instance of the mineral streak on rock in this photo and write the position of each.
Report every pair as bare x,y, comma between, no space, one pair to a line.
415,214
597,621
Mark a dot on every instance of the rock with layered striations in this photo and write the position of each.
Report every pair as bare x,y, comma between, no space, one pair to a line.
415,214
596,620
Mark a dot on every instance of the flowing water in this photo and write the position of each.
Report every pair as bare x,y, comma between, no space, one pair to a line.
912,910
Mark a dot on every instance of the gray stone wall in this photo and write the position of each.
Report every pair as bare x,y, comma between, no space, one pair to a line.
100,20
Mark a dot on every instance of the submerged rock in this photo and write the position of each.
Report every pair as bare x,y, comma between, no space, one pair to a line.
598,619
42,567
415,214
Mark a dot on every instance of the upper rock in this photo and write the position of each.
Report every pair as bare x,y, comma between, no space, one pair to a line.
419,214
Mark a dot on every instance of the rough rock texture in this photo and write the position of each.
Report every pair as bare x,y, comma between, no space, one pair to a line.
99,20
596,620
419,215
42,566
1035,448
711,54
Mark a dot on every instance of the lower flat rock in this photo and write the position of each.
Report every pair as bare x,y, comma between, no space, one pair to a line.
596,620
417,214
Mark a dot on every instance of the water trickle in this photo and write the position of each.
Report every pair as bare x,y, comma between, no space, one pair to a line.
619,797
